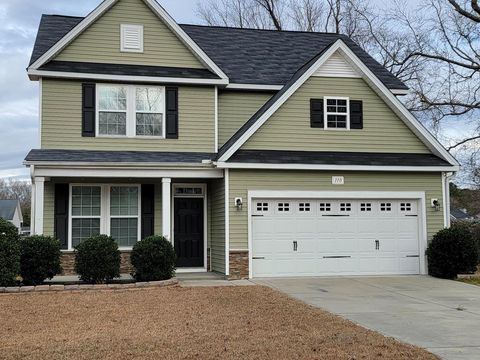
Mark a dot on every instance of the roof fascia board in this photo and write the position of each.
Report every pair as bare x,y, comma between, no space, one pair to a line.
187,40
373,80
93,165
72,34
105,6
254,87
233,165
399,91
331,50
36,74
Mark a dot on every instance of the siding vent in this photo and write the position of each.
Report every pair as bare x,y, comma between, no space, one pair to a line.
131,38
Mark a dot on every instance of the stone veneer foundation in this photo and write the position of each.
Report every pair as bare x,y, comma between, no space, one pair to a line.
68,263
238,265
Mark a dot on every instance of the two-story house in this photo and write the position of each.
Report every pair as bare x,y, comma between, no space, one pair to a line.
256,153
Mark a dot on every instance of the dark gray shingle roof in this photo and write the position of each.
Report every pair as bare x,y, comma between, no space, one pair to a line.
7,209
37,155
336,158
132,70
247,56
459,214
253,56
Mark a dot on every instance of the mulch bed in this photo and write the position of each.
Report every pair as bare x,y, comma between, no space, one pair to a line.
251,322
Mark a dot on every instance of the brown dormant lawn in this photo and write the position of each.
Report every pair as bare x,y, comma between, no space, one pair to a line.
183,323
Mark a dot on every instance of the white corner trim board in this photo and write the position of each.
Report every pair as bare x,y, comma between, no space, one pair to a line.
157,9
227,223
391,100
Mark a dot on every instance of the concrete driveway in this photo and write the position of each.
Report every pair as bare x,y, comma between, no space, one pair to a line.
439,315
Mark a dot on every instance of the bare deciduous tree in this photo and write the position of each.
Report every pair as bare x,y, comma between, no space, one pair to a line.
434,48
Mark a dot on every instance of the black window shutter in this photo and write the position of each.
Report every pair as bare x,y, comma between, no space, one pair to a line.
316,113
172,112
148,210
356,114
61,214
88,110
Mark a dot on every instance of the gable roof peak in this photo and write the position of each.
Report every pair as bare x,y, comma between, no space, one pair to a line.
99,11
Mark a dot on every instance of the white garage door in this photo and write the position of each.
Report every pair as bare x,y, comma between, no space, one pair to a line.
292,237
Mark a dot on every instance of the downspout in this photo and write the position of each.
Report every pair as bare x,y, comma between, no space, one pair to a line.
446,201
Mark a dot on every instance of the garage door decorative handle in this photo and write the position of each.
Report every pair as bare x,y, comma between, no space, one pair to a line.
377,245
295,246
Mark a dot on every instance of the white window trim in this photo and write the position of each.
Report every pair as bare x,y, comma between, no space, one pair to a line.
326,113
131,111
136,27
104,211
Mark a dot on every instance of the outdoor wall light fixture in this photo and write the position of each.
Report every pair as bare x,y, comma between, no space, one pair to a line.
436,204
239,203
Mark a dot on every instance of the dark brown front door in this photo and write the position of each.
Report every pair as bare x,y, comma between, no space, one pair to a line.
189,231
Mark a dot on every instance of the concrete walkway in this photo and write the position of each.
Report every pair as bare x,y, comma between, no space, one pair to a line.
441,316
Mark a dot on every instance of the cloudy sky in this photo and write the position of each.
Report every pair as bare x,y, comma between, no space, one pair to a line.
18,96
19,21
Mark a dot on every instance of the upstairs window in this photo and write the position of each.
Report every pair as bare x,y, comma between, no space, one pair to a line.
336,113
130,111
131,38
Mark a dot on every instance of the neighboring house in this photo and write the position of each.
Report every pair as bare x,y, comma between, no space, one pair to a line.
10,210
256,153
460,215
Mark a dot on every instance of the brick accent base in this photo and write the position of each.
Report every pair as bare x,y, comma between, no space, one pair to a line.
68,263
238,265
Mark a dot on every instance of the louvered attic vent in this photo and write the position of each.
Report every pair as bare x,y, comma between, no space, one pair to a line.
131,38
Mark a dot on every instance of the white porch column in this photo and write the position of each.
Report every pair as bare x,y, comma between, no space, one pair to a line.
39,189
167,208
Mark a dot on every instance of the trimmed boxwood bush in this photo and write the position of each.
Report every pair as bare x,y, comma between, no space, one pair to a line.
451,252
9,253
153,259
39,259
97,259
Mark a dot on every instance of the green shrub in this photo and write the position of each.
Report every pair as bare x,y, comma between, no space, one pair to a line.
8,229
153,259
9,261
97,259
9,254
39,259
451,252
474,227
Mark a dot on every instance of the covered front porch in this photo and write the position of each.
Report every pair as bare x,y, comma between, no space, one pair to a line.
183,204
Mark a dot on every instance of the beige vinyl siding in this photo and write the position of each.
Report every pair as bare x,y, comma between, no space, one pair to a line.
242,181
235,108
49,209
62,121
289,128
217,225
100,43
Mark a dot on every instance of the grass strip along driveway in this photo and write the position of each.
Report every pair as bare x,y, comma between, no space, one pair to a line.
183,323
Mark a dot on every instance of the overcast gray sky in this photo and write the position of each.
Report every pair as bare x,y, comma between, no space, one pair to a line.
18,96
